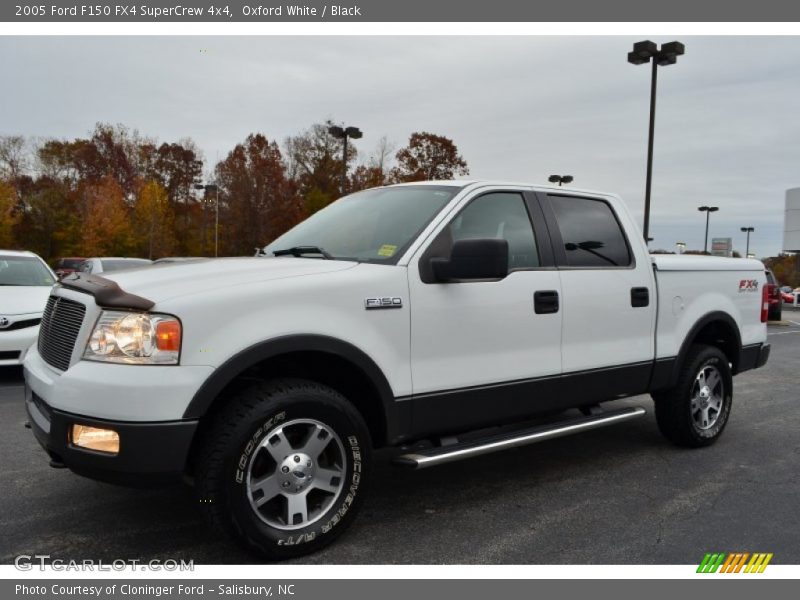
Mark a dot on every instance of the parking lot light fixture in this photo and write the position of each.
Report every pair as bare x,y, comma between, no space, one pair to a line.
560,179
343,133
644,52
681,246
212,187
708,210
748,231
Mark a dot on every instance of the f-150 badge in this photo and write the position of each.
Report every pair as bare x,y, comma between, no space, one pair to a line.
371,303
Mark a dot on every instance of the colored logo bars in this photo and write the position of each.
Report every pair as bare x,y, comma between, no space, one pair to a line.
735,562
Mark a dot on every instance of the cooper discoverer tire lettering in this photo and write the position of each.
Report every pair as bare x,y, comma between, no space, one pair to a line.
283,467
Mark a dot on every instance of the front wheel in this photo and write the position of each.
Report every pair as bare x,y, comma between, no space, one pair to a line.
283,467
694,412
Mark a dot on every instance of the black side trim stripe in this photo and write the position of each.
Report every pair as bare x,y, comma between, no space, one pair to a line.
516,382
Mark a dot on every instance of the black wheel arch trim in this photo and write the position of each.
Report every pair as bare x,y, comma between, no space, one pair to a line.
394,415
702,322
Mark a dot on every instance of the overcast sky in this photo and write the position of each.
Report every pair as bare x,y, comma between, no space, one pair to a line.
519,108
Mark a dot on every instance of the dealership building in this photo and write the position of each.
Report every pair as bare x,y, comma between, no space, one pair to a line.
791,221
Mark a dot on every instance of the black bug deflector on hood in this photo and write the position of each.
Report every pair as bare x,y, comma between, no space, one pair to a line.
106,293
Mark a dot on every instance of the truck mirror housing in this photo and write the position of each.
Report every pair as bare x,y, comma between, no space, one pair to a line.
473,259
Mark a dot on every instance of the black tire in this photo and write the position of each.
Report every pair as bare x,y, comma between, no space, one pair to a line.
775,312
675,415
231,445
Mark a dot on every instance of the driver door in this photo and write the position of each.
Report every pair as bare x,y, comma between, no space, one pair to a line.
483,346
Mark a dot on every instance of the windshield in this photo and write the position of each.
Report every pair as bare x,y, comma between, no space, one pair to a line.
24,271
371,226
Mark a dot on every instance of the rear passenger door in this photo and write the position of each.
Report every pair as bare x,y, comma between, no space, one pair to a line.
609,299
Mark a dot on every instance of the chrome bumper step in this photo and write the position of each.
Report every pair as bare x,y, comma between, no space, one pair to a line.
429,457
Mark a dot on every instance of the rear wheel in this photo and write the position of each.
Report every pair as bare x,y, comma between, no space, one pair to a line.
283,467
694,412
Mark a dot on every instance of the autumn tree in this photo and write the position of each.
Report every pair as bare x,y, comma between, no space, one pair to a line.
375,171
428,157
8,214
12,156
364,177
50,225
259,199
786,268
105,227
314,161
153,221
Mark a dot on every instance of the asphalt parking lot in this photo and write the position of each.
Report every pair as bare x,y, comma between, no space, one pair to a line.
613,496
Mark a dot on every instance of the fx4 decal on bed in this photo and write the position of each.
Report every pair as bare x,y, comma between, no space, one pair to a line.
748,285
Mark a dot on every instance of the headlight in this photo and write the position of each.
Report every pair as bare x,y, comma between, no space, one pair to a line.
135,339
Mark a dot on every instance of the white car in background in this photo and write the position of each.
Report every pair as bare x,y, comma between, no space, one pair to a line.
25,282
108,264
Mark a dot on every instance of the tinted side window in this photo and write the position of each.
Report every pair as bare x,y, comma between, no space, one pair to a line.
500,215
591,233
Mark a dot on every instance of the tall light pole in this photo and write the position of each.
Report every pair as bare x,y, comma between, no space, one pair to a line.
748,230
211,187
342,133
708,210
560,179
642,53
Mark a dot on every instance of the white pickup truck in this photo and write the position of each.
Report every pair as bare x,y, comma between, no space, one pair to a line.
402,316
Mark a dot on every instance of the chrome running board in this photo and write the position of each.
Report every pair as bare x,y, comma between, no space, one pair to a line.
430,457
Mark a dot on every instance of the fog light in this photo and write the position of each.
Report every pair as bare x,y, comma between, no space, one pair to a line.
94,438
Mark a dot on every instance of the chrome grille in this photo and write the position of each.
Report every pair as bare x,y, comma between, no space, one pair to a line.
61,322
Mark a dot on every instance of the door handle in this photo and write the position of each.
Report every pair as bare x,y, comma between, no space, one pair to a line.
640,297
545,302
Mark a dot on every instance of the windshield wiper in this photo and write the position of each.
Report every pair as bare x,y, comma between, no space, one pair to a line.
301,250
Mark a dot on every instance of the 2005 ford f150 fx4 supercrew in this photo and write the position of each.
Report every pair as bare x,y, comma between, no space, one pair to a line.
402,316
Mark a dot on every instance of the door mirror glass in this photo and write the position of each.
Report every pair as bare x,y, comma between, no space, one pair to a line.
473,259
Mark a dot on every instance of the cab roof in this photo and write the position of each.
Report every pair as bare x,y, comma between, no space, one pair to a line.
463,183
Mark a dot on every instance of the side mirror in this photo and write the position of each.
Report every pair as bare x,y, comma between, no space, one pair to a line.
473,259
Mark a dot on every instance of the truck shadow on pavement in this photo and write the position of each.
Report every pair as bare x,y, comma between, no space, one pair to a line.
71,518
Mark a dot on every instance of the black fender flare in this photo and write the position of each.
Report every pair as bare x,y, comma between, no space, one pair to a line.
243,360
696,328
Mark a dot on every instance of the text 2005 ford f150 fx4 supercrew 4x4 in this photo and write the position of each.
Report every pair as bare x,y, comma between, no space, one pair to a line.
401,316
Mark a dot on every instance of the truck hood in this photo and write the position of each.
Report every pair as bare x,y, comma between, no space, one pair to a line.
162,282
23,299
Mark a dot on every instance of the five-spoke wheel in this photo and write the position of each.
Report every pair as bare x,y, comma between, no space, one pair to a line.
296,473
708,394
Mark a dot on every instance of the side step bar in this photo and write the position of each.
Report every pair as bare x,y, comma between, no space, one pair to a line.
430,457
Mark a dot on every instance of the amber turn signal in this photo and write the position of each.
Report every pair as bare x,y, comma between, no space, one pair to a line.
168,336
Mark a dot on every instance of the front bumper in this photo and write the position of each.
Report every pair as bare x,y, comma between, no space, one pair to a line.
14,344
116,392
149,453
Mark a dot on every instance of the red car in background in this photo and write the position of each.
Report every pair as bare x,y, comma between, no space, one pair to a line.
65,266
787,293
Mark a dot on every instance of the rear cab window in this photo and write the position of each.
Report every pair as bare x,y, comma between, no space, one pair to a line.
591,235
